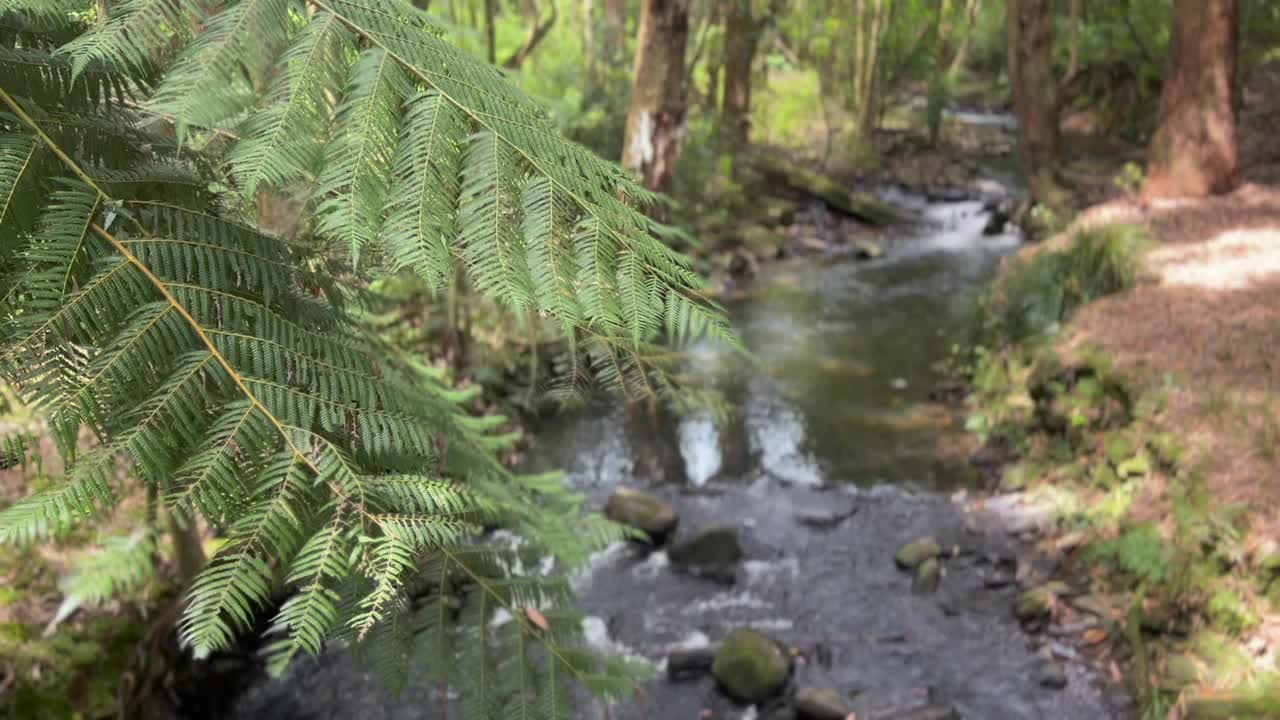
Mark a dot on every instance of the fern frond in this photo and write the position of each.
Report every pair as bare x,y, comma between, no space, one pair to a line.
214,80
353,185
284,140
134,36
119,566
420,226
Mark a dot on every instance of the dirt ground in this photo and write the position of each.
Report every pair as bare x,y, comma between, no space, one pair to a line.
1204,322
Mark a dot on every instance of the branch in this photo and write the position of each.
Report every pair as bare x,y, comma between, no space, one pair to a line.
536,34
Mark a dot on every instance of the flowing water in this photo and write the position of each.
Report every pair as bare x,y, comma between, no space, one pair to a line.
836,423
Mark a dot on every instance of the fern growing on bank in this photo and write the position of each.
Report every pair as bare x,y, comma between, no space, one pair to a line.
220,366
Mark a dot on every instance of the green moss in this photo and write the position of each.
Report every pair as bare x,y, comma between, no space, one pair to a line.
1227,611
1139,553
750,666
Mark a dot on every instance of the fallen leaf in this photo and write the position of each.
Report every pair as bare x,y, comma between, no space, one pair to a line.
537,618
1093,636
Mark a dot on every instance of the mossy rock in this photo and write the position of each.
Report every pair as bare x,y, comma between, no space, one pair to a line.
928,576
750,666
912,554
1019,476
1034,604
761,241
642,511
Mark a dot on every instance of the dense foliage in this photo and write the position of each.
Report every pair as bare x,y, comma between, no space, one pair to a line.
176,334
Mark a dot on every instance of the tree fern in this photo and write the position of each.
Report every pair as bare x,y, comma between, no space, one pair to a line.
220,367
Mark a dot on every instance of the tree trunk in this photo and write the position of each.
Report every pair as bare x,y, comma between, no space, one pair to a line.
615,29
1075,18
962,52
867,63
490,33
1193,153
740,35
538,30
1034,90
655,119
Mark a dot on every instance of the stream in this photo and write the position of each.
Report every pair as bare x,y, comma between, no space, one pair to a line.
842,467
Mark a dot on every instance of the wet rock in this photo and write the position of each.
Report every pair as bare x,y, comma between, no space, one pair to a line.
1001,214
825,520
689,664
866,250
928,575
1034,604
642,511
912,554
821,704
1053,675
761,241
717,546
923,712
750,666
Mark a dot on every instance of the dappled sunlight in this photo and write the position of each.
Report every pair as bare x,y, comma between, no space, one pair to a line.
1231,260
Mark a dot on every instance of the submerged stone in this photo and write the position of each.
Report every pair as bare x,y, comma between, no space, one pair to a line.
642,511
821,704
717,546
750,666
928,575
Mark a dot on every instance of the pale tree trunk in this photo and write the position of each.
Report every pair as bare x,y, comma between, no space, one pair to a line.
655,118
1034,90
615,29
1193,153
869,15
740,35
962,51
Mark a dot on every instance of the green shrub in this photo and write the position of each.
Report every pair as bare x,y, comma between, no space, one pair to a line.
1139,553
1036,295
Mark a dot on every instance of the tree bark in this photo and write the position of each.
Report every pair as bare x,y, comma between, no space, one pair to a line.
655,119
1034,90
962,52
740,35
1075,18
490,32
615,29
1193,153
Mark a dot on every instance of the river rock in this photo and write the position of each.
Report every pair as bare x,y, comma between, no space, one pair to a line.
866,250
928,575
1053,675
689,664
717,546
821,704
912,554
923,712
642,511
750,666
1034,604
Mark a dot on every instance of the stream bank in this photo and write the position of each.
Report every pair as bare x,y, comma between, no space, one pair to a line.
844,463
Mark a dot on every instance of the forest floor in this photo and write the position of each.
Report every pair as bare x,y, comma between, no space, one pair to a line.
1172,512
